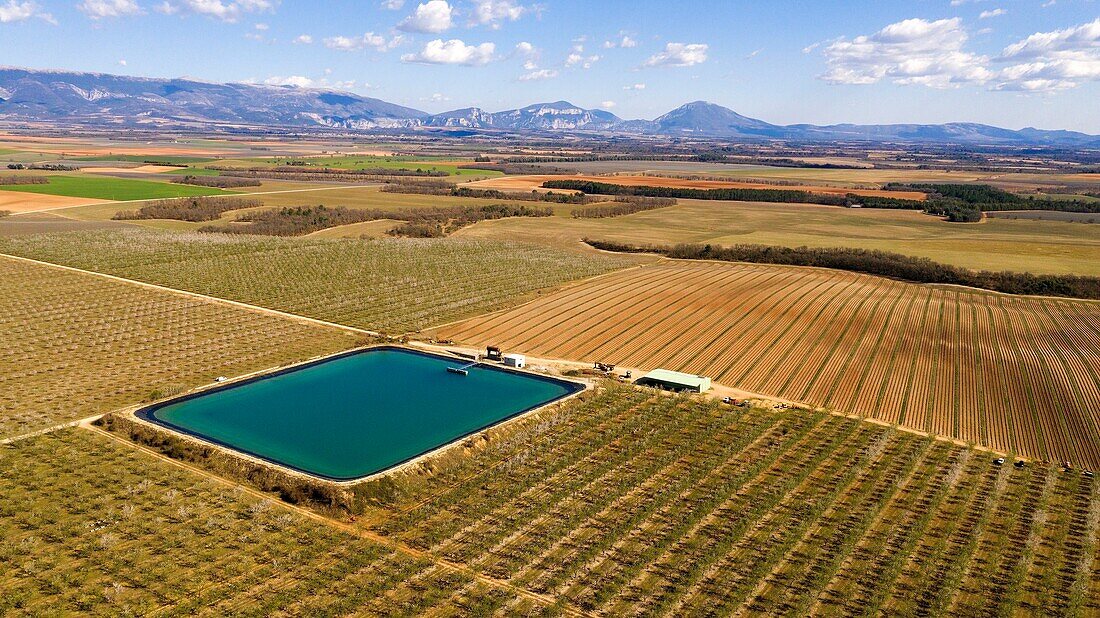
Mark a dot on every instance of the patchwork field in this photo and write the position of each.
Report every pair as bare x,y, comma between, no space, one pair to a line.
528,183
73,345
1054,247
109,188
1016,374
394,285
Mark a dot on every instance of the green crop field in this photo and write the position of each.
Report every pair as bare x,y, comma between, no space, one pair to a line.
996,244
115,189
73,345
393,285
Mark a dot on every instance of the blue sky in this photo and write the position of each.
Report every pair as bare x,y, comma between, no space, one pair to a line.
1012,63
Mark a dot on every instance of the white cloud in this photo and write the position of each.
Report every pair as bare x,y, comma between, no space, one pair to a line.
1054,60
634,87
913,51
100,9
261,27
432,16
993,13
754,53
494,13
539,75
122,62
625,42
13,11
679,55
370,40
393,5
298,81
303,39
452,52
607,104
585,62
217,9
436,98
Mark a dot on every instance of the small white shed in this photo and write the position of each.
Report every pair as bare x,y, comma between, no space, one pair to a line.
519,361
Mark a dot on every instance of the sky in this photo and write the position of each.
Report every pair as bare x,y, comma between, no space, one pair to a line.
1011,63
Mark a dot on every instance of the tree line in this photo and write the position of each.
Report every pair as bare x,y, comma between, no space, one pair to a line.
873,262
193,209
220,182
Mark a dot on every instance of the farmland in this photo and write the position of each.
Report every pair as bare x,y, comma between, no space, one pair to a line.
1053,247
114,189
388,285
86,524
1013,373
449,167
528,183
706,510
75,345
702,509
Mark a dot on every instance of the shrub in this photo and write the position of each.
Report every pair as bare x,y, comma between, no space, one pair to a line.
23,180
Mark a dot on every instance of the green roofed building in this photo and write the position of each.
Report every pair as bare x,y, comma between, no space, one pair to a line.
675,381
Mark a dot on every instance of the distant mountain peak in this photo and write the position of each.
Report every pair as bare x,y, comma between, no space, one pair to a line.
104,100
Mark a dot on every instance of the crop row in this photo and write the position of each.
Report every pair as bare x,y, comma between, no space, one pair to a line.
92,527
73,345
629,504
1013,373
392,285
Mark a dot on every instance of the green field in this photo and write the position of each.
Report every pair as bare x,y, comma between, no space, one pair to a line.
996,244
114,189
393,285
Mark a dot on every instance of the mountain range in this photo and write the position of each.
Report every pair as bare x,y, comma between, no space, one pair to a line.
102,100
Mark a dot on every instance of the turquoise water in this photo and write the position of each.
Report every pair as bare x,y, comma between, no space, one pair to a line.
358,414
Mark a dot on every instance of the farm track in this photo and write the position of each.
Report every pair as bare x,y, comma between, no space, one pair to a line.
1015,374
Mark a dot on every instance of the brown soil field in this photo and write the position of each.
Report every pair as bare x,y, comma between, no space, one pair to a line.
16,201
527,183
1016,374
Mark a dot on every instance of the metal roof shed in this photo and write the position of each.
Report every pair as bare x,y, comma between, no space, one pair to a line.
675,381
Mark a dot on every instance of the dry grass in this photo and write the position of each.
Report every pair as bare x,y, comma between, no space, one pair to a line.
1024,246
1012,373
74,345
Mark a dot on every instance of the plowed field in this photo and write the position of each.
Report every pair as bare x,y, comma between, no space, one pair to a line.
1013,373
